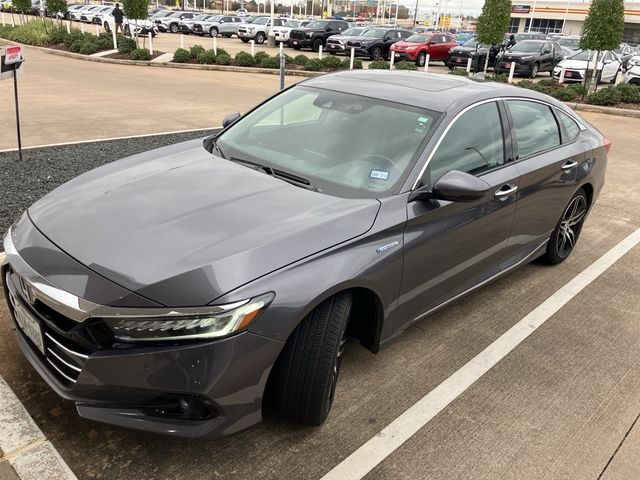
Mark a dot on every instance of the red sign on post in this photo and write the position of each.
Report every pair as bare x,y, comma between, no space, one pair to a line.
13,55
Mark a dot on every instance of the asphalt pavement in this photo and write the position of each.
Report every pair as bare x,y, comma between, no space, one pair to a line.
563,404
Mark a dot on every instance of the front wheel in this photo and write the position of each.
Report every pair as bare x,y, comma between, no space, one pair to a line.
213,32
316,45
421,60
107,28
260,38
534,70
173,28
245,40
307,370
376,53
565,236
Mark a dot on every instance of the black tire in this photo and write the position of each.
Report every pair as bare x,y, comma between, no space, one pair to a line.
107,28
245,40
307,369
127,30
534,70
226,35
260,38
213,32
422,58
173,28
376,53
297,47
317,43
565,236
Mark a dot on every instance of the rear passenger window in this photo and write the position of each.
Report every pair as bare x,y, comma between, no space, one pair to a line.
535,127
569,126
474,144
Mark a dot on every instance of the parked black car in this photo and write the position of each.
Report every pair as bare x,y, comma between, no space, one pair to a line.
375,43
177,290
337,43
477,52
315,34
530,58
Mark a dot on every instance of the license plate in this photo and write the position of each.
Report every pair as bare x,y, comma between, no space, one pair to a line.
397,55
459,60
295,43
331,46
29,326
568,74
506,65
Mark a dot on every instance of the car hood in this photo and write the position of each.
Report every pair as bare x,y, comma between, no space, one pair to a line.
404,44
182,227
573,64
468,50
520,54
344,38
307,30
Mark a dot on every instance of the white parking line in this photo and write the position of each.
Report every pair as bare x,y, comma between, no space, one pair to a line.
79,142
24,445
374,451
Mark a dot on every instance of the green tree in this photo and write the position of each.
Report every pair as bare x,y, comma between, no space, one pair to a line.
55,6
21,6
493,23
135,10
603,29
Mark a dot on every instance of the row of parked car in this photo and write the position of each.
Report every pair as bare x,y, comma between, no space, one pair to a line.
103,15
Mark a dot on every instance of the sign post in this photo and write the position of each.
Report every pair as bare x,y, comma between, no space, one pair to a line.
11,66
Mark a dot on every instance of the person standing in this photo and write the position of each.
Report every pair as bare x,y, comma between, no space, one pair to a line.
118,17
511,42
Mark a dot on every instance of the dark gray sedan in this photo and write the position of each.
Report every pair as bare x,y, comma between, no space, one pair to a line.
185,289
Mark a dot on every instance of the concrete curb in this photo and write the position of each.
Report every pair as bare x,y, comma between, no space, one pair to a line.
623,112
151,63
23,444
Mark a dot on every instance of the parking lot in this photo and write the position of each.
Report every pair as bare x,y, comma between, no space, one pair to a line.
563,404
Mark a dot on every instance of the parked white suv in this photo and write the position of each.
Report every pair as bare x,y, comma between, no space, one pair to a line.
259,29
282,33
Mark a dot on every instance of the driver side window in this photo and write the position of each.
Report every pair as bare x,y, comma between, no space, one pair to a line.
474,144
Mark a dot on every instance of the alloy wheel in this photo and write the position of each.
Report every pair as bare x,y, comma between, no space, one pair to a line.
422,58
570,226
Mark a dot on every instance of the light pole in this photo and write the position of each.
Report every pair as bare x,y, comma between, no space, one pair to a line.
415,14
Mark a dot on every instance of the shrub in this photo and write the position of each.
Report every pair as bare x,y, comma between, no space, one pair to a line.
314,65
32,33
605,97
500,78
628,93
58,35
456,71
564,94
301,60
331,62
126,45
206,57
259,56
76,46
379,65
72,38
357,63
141,54
548,82
577,88
244,59
103,42
181,56
223,59
526,84
543,89
196,50
270,62
222,51
88,47
404,65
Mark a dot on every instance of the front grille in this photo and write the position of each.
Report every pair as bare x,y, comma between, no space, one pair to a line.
197,28
296,35
67,344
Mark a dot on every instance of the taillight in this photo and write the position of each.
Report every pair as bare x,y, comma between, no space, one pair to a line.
607,145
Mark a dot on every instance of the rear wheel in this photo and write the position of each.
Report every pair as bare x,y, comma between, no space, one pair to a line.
565,236
307,370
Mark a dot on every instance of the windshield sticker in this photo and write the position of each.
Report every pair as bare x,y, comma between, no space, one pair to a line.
422,125
379,174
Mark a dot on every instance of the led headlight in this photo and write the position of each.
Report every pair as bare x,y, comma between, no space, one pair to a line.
222,320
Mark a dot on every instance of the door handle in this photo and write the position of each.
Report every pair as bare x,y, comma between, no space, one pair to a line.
568,165
505,191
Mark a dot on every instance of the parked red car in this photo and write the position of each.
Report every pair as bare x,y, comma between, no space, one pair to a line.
417,46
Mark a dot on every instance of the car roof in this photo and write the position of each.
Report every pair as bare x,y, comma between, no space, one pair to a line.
539,42
438,92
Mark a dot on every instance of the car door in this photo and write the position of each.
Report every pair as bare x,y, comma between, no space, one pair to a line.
452,246
610,66
546,57
548,169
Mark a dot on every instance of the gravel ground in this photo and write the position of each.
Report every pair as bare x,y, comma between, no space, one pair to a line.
43,169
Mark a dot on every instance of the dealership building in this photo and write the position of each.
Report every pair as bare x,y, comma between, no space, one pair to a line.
566,17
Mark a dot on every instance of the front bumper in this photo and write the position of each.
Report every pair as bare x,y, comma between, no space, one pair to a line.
409,56
301,42
248,35
569,75
520,68
336,48
141,387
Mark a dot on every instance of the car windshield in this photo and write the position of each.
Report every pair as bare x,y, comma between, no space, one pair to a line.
526,47
583,55
261,21
354,31
569,42
175,14
524,36
213,18
472,43
292,23
374,33
202,16
317,24
344,144
418,38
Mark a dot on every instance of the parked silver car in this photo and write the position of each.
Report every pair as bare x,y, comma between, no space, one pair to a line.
225,25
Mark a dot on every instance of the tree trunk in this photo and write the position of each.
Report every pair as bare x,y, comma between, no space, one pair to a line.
593,86
486,60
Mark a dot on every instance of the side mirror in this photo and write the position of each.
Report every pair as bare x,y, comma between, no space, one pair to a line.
229,119
458,186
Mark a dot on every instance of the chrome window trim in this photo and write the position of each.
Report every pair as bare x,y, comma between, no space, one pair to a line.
473,105
79,309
